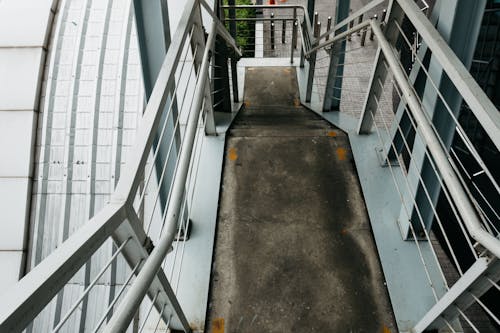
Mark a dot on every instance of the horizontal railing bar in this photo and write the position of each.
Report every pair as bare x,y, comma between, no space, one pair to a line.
450,179
479,103
352,17
304,9
340,36
23,301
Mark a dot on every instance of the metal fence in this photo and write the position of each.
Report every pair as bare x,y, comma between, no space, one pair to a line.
442,197
135,216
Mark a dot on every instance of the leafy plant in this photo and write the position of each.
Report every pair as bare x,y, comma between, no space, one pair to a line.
245,30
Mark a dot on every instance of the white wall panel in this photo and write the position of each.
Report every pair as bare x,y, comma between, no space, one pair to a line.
13,260
27,22
16,142
14,193
20,73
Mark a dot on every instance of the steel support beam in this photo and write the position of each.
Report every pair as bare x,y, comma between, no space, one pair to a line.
153,34
449,177
459,23
379,73
234,68
310,10
331,101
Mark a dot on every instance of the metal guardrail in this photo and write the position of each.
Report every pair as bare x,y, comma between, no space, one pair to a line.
119,219
480,233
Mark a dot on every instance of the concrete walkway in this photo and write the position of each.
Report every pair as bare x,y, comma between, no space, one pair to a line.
294,249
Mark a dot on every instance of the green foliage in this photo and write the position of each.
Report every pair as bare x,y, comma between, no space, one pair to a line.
245,30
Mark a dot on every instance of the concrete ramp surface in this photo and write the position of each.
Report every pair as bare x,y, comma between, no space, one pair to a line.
294,249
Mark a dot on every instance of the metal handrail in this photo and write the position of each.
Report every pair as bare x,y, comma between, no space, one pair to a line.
475,97
120,321
339,37
363,10
479,103
31,294
303,8
450,178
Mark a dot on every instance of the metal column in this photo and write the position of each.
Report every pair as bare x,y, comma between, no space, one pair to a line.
153,32
459,23
234,69
221,92
337,54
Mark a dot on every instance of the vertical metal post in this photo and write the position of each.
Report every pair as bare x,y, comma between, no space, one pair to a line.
363,36
302,58
221,89
351,24
360,20
333,86
234,68
374,93
328,26
316,18
283,31
375,17
459,24
272,31
384,14
310,9
131,302
294,34
312,62
153,34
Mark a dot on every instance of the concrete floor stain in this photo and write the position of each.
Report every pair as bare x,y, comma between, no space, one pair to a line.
232,154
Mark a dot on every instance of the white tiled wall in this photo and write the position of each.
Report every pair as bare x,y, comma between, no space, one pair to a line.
24,29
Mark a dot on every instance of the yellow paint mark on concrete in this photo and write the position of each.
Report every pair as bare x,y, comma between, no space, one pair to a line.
246,103
385,329
341,153
218,325
296,102
332,134
287,70
233,156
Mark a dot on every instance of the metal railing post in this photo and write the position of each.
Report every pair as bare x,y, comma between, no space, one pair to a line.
234,70
375,17
294,34
363,37
360,19
328,26
384,14
312,61
351,24
272,31
283,31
